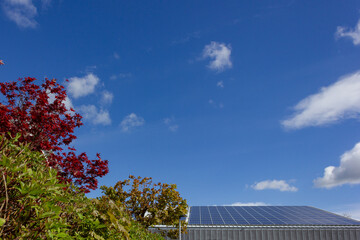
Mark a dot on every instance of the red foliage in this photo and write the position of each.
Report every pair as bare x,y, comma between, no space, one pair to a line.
1,62
48,126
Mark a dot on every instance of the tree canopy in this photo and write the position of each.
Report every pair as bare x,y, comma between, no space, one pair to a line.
44,120
149,203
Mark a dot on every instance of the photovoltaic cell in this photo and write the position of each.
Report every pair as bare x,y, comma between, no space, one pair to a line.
206,218
265,215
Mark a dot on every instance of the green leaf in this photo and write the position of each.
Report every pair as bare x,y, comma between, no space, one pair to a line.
36,192
80,216
2,221
62,235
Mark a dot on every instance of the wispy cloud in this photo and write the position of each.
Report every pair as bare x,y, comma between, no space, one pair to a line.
219,53
131,121
220,84
170,123
252,204
116,55
94,115
186,39
22,12
216,105
347,173
338,101
82,86
174,128
46,3
120,76
280,185
106,97
353,34
90,68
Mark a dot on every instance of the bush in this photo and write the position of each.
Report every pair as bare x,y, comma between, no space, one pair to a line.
138,232
35,205
150,203
29,194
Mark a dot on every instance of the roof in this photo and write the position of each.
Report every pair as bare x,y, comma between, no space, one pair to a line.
265,216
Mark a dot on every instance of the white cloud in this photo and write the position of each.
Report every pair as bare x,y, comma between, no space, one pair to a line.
171,125
220,84
347,173
22,12
220,55
252,204
131,121
106,97
67,102
79,87
338,101
280,185
95,116
354,34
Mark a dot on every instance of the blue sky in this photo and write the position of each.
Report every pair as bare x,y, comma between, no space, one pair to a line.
237,102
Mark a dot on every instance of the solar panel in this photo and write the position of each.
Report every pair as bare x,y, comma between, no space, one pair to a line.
265,215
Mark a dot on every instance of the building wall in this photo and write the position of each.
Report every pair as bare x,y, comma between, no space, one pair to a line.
313,233
272,234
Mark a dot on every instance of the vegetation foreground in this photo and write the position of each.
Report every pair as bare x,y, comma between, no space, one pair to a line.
43,181
35,205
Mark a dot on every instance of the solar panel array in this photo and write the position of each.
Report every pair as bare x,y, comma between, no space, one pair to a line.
265,215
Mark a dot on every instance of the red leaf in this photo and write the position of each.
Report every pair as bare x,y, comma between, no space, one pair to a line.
48,126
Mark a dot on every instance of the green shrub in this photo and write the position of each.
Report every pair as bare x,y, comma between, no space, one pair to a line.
29,194
35,205
138,232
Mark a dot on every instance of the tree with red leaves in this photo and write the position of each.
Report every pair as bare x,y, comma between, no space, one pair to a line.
39,114
1,62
